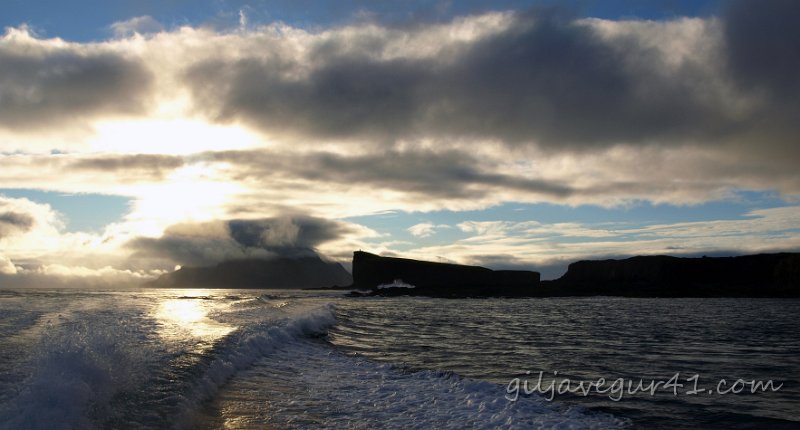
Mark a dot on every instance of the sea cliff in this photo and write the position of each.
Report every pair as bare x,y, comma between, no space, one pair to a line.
762,275
665,276
438,279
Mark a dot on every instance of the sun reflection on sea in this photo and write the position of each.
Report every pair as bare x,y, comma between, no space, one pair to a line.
189,315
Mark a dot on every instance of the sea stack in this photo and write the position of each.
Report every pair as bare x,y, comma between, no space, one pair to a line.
438,279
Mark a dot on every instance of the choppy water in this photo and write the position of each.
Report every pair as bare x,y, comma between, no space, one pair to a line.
276,359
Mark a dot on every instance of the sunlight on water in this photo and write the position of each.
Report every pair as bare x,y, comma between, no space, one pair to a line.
189,315
184,312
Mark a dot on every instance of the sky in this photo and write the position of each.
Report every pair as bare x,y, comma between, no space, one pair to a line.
138,137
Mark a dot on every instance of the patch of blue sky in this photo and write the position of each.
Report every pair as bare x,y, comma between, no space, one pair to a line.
737,206
91,19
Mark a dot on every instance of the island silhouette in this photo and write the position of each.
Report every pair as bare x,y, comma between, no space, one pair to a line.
761,275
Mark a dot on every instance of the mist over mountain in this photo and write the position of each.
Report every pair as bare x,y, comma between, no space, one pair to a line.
305,271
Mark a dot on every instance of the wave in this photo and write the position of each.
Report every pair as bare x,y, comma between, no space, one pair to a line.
240,350
105,365
15,320
75,371
310,385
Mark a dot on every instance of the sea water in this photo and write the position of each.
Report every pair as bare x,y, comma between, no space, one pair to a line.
158,358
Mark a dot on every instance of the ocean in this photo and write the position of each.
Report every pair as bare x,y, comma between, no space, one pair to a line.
284,359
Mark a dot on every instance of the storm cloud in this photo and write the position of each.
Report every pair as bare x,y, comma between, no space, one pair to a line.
50,82
13,222
445,174
152,166
763,41
202,244
545,78
442,109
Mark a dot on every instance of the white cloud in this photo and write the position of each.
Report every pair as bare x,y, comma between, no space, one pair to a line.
37,245
107,272
540,244
425,229
137,25
6,266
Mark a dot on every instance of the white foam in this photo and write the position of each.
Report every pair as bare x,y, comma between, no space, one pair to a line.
240,352
97,367
76,369
397,283
103,365
307,385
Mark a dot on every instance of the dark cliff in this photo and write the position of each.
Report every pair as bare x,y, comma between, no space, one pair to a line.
305,272
438,279
749,275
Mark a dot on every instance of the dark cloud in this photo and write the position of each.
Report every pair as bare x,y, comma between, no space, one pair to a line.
149,165
285,232
548,78
452,174
192,250
213,242
763,41
42,85
348,97
552,80
14,222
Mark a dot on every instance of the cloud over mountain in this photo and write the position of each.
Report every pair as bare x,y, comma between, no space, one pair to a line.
203,244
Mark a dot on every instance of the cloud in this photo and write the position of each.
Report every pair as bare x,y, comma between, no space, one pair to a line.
425,229
541,78
761,54
13,222
762,45
97,173
6,266
34,233
516,106
531,244
21,217
73,276
137,25
46,84
203,244
145,165
443,174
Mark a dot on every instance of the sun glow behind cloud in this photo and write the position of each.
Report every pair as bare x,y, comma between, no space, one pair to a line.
189,194
176,136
